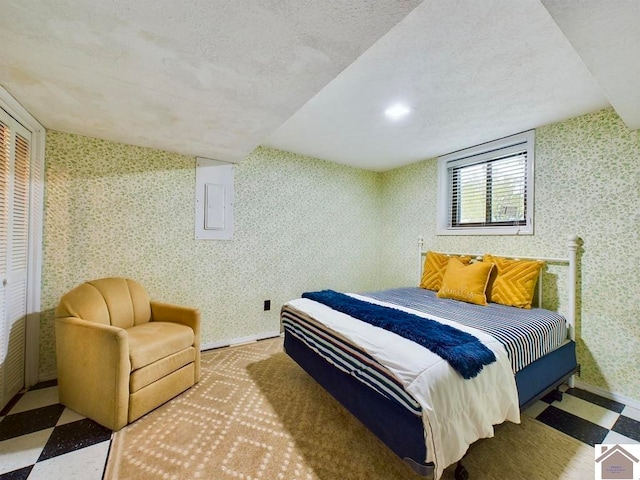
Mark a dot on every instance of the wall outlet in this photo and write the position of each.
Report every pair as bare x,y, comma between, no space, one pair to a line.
267,305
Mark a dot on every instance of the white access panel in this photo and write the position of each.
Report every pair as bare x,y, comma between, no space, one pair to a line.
215,206
214,200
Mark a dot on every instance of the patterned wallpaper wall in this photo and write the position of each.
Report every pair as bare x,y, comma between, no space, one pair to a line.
587,183
120,210
303,224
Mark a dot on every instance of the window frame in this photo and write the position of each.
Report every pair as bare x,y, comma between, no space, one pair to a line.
482,154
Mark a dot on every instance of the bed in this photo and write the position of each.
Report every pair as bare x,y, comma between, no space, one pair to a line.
368,370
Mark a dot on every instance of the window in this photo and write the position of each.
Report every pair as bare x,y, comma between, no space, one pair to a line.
488,189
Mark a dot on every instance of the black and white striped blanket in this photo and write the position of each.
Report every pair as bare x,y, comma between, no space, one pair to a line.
526,334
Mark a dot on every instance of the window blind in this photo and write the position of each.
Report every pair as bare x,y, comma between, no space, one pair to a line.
489,191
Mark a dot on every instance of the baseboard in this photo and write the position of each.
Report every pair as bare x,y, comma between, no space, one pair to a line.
204,346
239,340
47,377
617,397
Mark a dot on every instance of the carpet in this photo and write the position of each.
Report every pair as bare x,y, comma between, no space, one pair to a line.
256,415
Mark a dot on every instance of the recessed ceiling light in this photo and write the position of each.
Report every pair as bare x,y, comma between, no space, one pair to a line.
397,111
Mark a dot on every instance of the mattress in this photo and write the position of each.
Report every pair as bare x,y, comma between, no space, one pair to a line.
527,335
346,357
481,402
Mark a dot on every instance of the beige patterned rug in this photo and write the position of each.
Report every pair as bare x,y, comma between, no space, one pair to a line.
257,415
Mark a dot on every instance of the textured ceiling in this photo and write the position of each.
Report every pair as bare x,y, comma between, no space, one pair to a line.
218,78
606,35
471,71
203,77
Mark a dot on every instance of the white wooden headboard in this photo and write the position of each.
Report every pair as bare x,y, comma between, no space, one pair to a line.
570,261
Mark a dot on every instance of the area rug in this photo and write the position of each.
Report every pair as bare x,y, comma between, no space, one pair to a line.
256,415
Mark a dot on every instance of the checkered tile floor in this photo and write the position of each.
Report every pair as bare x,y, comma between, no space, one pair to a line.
590,418
41,439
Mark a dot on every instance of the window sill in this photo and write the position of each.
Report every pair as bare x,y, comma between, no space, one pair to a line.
522,230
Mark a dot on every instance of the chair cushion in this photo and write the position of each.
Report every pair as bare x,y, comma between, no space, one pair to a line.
155,394
152,341
147,375
85,302
116,301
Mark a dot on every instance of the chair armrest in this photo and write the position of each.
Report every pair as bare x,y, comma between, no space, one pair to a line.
189,316
93,369
168,312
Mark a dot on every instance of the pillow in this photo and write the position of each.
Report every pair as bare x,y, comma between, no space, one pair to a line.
514,281
434,266
465,282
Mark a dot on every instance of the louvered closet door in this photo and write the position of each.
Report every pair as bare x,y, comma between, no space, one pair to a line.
14,230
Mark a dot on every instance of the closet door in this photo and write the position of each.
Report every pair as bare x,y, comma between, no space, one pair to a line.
14,247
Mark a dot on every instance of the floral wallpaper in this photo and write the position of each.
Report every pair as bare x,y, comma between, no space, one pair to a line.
587,183
304,224
119,210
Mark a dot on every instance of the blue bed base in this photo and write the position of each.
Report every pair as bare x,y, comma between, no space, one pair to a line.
401,430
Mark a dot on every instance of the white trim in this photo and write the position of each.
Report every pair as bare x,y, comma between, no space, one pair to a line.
37,147
47,377
18,112
208,346
480,152
616,397
239,340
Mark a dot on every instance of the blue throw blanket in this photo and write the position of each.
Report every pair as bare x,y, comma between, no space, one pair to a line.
464,352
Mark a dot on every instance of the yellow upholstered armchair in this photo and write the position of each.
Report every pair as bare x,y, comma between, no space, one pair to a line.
119,354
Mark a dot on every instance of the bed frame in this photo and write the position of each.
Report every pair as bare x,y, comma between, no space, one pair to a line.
403,431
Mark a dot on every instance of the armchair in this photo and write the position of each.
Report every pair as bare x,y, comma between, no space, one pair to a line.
120,355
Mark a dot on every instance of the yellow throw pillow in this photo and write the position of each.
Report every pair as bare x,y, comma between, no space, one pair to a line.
514,281
434,266
466,283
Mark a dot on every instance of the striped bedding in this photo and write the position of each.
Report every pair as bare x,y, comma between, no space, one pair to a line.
490,398
526,335
344,356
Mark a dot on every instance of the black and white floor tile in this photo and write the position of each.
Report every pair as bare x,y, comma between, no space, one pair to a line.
588,417
42,440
